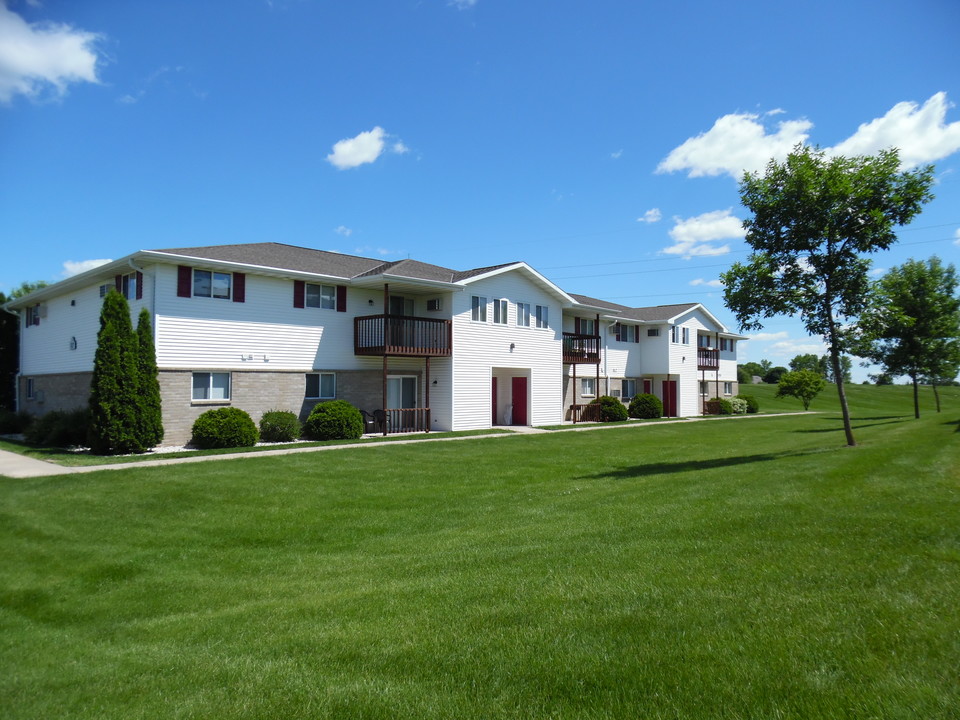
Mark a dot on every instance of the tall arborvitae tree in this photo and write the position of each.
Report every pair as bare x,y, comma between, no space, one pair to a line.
114,389
151,418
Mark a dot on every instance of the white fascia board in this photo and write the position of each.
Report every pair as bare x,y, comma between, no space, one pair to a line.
377,280
523,267
123,266
699,306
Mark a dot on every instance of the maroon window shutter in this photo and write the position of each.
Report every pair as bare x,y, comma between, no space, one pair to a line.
576,325
239,287
118,282
299,293
341,298
636,335
139,285
184,280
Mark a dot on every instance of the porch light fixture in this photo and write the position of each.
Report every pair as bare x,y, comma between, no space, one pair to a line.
370,301
512,346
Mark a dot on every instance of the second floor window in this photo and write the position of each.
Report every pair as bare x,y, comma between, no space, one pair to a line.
321,296
542,316
588,326
478,311
500,311
211,284
523,314
628,333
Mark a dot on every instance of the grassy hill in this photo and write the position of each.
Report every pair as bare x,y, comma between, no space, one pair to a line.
732,568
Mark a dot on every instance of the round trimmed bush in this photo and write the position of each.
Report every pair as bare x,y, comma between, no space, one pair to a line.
279,426
224,428
752,405
611,409
646,407
333,420
724,405
739,406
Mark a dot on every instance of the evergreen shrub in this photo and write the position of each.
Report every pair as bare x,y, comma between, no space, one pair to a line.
646,407
333,420
60,428
224,428
150,416
12,423
279,426
752,405
611,409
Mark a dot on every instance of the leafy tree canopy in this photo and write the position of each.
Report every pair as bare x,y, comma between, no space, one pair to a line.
804,385
814,219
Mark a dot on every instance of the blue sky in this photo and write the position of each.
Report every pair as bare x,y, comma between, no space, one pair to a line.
600,142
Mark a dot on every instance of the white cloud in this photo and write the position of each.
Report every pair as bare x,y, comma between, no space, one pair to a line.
343,230
651,216
957,236
920,133
788,349
709,283
35,57
736,143
75,267
462,4
765,336
616,155
364,148
695,236
877,272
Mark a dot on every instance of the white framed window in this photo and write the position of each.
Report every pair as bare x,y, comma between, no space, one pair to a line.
588,387
686,336
500,311
207,283
31,389
211,386
105,288
629,388
523,314
321,296
588,326
674,334
401,391
542,316
478,308
728,388
704,388
31,315
653,332
628,333
322,386
128,286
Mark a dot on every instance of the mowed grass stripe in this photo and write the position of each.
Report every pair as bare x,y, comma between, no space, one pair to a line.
726,569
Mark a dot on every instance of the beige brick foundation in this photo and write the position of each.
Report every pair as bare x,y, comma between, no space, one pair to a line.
65,391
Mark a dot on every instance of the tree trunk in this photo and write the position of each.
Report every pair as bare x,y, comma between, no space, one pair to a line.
916,397
838,376
936,393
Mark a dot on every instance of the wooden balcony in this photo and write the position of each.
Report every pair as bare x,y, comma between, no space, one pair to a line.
581,349
402,336
589,412
708,359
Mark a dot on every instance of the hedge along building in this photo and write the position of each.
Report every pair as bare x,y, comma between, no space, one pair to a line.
267,326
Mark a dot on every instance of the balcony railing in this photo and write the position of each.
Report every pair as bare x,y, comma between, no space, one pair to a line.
589,412
402,420
579,348
708,359
401,336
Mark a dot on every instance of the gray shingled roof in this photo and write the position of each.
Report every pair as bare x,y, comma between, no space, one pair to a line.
657,313
413,269
284,257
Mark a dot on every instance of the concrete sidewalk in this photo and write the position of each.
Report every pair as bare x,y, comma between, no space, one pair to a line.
14,465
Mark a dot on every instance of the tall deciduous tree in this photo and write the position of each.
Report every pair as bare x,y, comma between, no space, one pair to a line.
804,385
912,323
814,219
806,362
151,418
114,389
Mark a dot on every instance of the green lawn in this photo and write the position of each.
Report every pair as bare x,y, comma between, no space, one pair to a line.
749,568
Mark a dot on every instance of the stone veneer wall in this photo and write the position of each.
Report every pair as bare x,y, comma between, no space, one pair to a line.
62,391
257,392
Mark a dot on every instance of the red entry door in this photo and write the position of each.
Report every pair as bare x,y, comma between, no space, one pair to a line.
670,398
519,400
494,421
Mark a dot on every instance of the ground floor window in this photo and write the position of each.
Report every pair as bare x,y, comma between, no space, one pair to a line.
588,387
401,391
211,386
31,390
728,388
704,387
321,386
629,389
